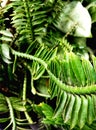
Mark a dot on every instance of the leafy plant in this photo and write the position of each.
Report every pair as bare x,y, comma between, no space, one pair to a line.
43,74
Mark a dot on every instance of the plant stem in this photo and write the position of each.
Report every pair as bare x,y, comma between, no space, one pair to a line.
24,99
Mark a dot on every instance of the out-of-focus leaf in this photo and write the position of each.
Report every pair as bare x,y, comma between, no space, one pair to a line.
3,108
83,112
8,39
6,33
74,18
5,53
92,11
2,120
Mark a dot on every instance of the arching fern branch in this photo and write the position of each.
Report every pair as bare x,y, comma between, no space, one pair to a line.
75,90
71,84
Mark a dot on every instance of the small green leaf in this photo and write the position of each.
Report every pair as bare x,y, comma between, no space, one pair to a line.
91,112
92,10
83,112
89,71
2,120
47,110
2,96
77,68
94,62
4,38
69,109
3,108
55,69
5,53
94,102
66,106
60,104
75,112
6,33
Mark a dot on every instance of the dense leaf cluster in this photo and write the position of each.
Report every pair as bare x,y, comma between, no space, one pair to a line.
47,70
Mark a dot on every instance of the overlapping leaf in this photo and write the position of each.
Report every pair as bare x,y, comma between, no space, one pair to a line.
28,19
75,109
11,105
46,55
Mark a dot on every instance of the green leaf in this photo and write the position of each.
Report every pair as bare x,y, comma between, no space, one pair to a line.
47,110
83,112
5,53
75,112
6,33
46,55
18,104
94,102
91,112
69,109
54,66
89,72
94,62
67,73
8,39
2,120
66,106
3,108
74,18
60,104
2,97
77,68
92,10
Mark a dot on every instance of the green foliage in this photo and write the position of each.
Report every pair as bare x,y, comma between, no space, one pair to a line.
39,64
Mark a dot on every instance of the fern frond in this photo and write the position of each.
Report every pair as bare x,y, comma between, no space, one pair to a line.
11,114
76,90
75,98
75,109
28,18
13,106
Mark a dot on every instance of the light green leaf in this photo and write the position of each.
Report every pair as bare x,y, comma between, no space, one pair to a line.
89,71
91,112
92,10
77,68
83,112
4,38
47,110
74,18
3,107
66,106
55,69
75,113
69,109
5,51
60,104
6,33
94,62
94,102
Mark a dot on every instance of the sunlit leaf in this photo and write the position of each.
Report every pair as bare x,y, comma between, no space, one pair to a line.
6,33
5,53
74,18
